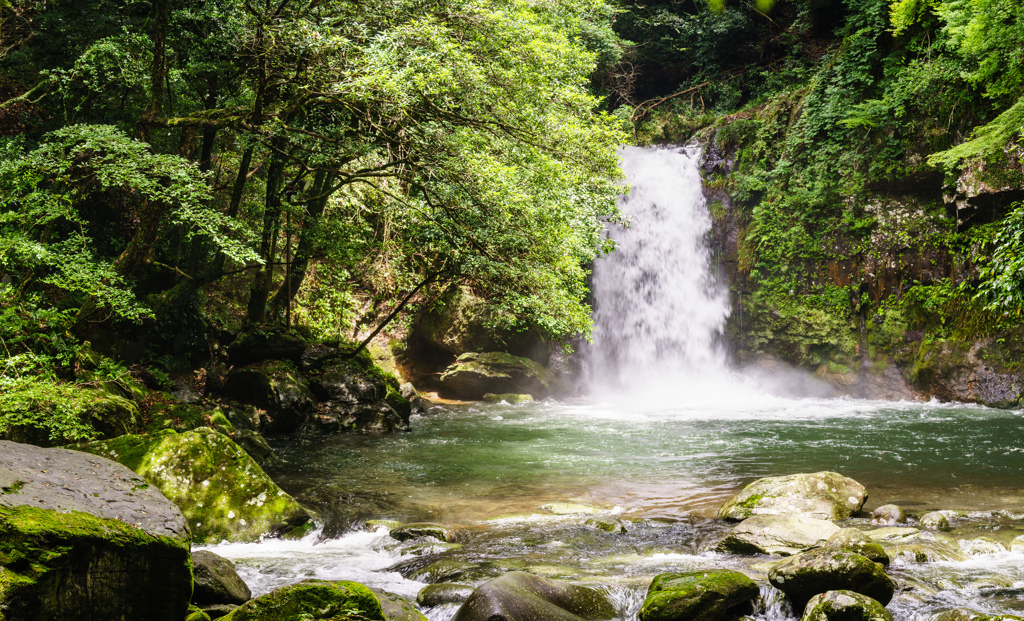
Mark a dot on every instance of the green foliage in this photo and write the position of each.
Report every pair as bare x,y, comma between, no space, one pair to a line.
1003,287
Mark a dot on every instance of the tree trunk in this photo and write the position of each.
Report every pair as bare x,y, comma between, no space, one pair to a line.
309,243
259,290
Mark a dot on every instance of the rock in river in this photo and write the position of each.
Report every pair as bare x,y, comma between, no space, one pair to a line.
822,495
705,595
519,596
313,600
844,606
777,534
473,375
216,581
805,575
85,538
224,493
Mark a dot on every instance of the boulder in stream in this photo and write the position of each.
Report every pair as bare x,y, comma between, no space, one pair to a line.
888,514
843,605
777,534
82,537
474,374
277,387
805,575
216,581
519,596
935,520
854,540
822,495
710,595
312,600
224,493
966,614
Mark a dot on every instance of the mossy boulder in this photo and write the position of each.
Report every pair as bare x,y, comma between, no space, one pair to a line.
711,595
843,605
934,520
216,581
312,600
174,416
854,540
777,534
473,375
279,388
805,575
965,614
821,495
396,607
75,565
519,596
224,494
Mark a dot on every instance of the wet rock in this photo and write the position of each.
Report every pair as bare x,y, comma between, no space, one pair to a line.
934,521
67,480
511,398
923,550
822,495
606,525
570,508
776,534
216,581
219,611
312,600
341,417
985,371
473,375
888,514
73,565
256,446
519,596
224,494
397,608
893,534
706,595
197,614
981,545
423,529
1017,545
444,570
841,605
854,540
805,575
277,387
965,614
438,594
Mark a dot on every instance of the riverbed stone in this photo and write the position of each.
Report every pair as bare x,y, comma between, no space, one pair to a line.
893,534
607,525
312,600
805,575
821,495
519,596
925,551
216,581
888,514
966,614
424,529
396,607
475,374
844,605
981,545
854,540
277,387
700,595
446,593
223,493
934,520
75,565
777,534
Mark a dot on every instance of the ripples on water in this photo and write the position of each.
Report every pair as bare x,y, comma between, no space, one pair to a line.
659,469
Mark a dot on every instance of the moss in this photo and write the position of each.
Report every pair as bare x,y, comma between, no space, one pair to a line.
696,595
312,600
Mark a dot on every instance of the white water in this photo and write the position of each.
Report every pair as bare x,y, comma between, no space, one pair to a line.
658,312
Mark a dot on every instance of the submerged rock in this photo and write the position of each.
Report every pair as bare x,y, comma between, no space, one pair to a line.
74,565
519,596
805,575
216,581
888,514
705,595
776,534
473,375
844,605
981,545
822,495
312,600
224,494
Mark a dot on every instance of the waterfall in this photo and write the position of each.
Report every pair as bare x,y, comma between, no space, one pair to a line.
658,311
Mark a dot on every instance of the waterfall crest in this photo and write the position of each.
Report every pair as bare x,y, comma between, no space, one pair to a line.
658,311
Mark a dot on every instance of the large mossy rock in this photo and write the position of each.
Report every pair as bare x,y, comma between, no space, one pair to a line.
519,596
473,375
357,397
216,581
844,606
822,495
74,565
277,387
854,540
396,607
965,614
805,575
777,534
698,596
224,494
312,600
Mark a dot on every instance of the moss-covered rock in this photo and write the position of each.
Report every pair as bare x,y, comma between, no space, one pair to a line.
175,416
854,540
473,375
842,605
312,600
934,520
75,565
777,534
397,608
519,596
699,595
224,494
965,614
986,371
805,575
822,495
279,388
